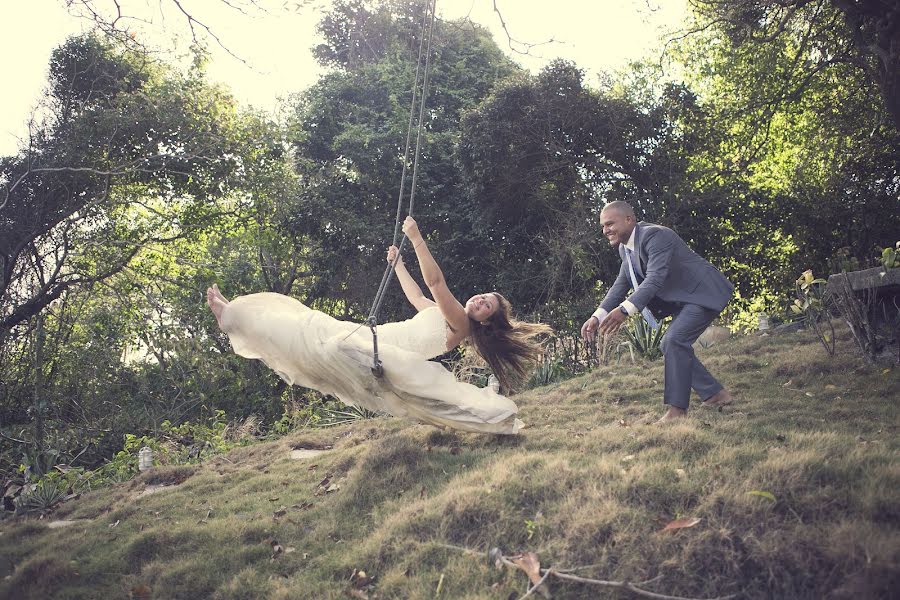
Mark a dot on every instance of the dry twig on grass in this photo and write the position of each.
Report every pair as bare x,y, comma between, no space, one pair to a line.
497,558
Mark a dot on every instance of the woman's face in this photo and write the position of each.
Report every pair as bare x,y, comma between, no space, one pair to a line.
482,307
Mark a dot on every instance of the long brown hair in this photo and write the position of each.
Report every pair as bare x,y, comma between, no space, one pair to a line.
508,346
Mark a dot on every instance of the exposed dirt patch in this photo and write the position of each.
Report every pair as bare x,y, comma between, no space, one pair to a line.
304,449
303,445
163,476
160,479
304,453
153,489
66,523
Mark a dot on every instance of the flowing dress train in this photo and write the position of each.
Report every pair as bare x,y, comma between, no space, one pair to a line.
306,347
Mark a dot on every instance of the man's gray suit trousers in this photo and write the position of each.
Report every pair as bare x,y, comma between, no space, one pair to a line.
683,370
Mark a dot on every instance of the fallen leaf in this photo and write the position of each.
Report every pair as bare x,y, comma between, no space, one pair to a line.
787,383
762,494
529,563
886,371
681,524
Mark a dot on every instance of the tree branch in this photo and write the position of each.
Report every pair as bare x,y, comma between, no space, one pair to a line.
511,40
499,559
111,26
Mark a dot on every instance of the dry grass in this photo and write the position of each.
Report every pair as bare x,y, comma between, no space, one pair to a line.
591,481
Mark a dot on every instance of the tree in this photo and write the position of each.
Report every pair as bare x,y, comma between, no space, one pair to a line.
542,154
349,134
111,221
864,34
129,156
802,125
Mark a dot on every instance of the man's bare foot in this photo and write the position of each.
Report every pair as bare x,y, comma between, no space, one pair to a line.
720,398
673,414
216,302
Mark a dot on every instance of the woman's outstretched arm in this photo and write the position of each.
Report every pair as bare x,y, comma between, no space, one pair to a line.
453,311
410,287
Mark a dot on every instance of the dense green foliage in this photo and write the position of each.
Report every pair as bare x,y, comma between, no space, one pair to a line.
144,185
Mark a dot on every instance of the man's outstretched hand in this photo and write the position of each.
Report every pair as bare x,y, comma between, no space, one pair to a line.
612,322
589,329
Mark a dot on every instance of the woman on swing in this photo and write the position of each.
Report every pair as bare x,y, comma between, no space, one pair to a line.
309,348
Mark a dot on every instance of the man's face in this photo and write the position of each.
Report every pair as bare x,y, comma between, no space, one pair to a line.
617,227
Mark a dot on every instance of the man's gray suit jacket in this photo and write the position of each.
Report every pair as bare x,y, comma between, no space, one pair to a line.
673,273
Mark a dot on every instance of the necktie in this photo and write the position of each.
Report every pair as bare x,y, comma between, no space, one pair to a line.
648,316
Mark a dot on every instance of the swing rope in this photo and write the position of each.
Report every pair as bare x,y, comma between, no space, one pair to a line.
372,321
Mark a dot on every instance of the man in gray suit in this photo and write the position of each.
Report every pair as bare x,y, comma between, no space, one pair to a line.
668,278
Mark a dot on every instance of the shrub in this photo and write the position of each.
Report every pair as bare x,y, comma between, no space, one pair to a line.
643,339
810,305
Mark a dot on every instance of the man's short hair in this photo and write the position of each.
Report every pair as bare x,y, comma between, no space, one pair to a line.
621,206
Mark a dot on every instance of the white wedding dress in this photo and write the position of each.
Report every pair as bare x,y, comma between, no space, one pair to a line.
311,349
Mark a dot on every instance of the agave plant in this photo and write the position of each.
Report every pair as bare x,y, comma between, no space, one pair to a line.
548,371
42,496
330,417
643,339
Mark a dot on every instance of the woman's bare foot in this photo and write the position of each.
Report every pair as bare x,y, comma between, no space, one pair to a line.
216,301
673,413
720,398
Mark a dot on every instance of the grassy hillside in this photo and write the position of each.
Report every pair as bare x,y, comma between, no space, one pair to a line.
591,483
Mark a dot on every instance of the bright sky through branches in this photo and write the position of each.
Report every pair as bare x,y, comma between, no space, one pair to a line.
275,46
